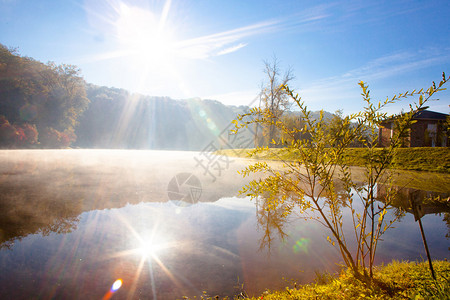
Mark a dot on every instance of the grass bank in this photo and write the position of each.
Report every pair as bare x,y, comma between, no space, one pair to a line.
397,280
418,159
425,169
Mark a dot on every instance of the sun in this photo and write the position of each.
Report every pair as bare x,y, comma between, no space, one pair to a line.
143,34
151,247
144,45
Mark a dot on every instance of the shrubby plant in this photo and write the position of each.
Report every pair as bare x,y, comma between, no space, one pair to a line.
318,183
14,135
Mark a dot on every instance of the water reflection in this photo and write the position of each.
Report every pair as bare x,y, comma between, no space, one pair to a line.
420,203
430,202
404,242
45,191
271,222
73,223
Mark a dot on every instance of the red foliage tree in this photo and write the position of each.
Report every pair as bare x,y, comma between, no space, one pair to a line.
52,138
17,136
31,134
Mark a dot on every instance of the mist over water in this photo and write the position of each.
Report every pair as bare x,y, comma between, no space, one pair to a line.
167,223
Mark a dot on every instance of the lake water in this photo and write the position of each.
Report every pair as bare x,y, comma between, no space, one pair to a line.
168,224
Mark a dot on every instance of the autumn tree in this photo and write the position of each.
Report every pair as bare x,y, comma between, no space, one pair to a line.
273,99
319,185
17,136
65,96
293,123
49,96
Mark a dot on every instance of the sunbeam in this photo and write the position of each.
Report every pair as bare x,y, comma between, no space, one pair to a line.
147,247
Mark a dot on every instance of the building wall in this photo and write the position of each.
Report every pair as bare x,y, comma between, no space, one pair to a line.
428,133
384,135
417,134
423,133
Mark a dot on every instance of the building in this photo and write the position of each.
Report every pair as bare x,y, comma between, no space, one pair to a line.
429,130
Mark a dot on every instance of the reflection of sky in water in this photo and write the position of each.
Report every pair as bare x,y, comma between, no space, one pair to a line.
206,246
105,216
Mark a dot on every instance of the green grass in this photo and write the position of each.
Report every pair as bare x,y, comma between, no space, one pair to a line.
425,169
426,181
397,280
406,280
419,159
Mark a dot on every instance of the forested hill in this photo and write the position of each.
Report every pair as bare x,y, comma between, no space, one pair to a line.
117,119
51,106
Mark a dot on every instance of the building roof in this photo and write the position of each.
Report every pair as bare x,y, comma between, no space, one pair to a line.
423,115
429,115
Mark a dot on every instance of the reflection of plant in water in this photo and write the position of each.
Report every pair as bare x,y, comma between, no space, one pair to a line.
430,202
318,180
437,202
60,225
271,221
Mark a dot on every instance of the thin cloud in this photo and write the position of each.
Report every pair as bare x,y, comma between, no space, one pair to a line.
384,67
231,49
222,42
344,87
392,65
218,43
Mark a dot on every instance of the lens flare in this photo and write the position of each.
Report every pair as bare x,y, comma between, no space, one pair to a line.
301,245
116,285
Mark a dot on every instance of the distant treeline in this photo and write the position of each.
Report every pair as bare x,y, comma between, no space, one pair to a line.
117,119
51,106
39,103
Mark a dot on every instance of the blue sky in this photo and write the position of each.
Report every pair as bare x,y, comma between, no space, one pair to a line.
215,49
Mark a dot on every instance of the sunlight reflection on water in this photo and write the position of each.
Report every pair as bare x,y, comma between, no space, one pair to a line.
73,237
